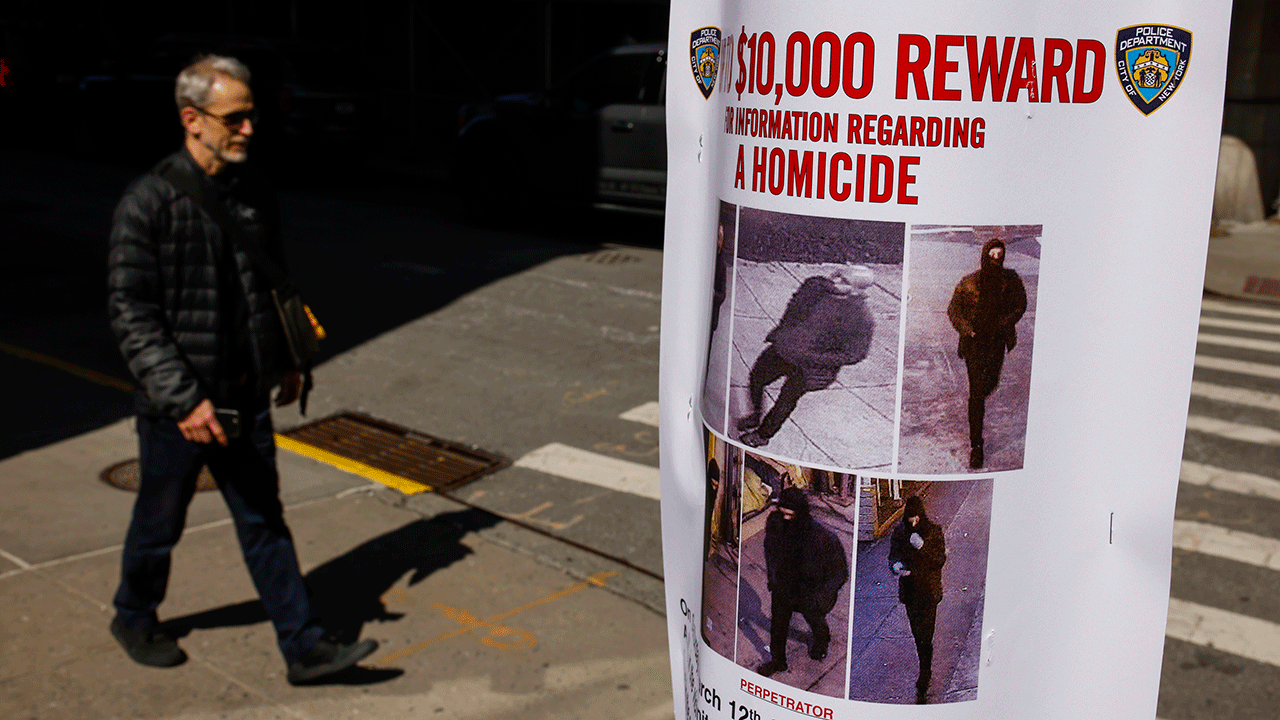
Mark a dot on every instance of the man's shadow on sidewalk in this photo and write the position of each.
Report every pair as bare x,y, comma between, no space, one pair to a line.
347,590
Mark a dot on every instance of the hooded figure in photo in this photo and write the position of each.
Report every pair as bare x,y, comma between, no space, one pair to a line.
917,552
826,326
984,309
806,567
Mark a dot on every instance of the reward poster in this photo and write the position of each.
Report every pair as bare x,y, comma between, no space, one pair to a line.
932,281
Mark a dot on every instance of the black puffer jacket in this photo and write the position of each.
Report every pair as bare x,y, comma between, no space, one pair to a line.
166,285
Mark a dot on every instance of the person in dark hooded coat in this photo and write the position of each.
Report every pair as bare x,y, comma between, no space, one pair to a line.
806,566
917,552
826,326
984,309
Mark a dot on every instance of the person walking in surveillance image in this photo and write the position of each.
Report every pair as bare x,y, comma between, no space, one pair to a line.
806,567
984,308
825,327
917,552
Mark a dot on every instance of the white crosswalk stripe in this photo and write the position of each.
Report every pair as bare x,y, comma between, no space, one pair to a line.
600,470
1227,631
1241,483
646,413
1240,342
1239,367
1233,430
1238,309
1199,624
1248,325
594,468
1230,544
1236,396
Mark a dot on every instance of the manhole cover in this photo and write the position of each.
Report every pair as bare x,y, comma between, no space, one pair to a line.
429,461
125,475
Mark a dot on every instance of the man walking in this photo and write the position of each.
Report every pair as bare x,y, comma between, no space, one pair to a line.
806,566
195,320
984,309
826,326
917,552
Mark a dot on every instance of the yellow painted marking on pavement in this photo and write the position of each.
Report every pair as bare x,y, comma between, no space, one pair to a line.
92,376
522,639
597,580
403,484
528,516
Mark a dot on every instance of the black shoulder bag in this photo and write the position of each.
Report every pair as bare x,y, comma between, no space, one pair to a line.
302,332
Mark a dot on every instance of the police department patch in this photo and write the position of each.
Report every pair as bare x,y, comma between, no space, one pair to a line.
1151,61
704,57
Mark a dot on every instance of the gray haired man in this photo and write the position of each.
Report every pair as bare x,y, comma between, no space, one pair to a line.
196,322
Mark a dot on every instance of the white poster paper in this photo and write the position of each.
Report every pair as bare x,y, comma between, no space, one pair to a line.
932,280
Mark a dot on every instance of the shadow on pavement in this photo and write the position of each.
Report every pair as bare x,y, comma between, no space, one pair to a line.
347,590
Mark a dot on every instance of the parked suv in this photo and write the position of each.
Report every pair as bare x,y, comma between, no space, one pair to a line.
599,136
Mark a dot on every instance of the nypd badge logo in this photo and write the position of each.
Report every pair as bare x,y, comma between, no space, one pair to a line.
704,56
1151,61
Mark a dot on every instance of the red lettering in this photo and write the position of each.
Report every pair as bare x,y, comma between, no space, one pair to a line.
943,67
855,128
900,131
917,130
1024,71
881,164
1055,70
798,42
905,178
913,69
800,174
1085,49
980,70
829,40
777,171
759,168
838,191
868,65
739,179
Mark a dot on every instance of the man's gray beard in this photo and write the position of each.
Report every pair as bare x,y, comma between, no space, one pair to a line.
222,154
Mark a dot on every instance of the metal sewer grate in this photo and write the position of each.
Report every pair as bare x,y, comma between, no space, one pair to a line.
433,462
125,475
1262,286
609,257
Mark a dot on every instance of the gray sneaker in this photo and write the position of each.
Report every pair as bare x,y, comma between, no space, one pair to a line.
151,647
327,658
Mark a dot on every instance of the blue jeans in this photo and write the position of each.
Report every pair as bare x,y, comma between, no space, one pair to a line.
245,472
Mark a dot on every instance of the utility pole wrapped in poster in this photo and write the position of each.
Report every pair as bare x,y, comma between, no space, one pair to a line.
933,273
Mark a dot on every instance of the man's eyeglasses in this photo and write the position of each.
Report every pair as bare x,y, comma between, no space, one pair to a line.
232,119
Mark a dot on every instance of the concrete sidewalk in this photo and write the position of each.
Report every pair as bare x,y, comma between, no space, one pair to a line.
1244,261
477,618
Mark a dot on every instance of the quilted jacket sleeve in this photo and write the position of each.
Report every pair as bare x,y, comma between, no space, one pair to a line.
135,303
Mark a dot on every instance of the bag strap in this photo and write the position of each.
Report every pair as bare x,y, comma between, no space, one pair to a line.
190,186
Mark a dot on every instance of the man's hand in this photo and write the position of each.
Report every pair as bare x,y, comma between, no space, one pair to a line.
916,541
202,426
290,388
